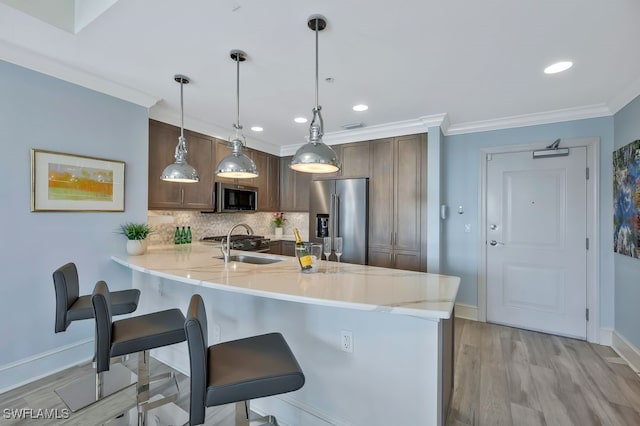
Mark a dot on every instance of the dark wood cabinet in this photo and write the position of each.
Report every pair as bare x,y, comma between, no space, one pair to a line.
163,139
397,199
294,188
288,248
282,247
354,160
275,247
268,180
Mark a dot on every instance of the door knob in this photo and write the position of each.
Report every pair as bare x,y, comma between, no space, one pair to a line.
495,243
493,226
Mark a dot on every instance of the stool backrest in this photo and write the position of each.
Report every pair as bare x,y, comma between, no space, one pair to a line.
101,300
195,328
65,283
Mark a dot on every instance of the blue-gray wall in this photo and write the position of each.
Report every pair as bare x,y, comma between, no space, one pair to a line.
627,269
460,187
38,111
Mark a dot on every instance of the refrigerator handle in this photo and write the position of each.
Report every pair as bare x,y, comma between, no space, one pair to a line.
336,215
332,217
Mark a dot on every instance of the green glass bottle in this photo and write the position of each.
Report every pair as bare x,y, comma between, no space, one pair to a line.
176,236
189,236
183,236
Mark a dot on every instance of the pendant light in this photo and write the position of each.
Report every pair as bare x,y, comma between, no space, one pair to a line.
237,164
315,156
180,170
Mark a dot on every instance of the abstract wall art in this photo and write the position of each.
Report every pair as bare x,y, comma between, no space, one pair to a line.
67,182
626,200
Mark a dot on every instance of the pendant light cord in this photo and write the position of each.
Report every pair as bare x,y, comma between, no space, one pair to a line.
181,109
238,127
316,31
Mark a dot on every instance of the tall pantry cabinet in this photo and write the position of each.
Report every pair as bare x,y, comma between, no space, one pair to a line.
397,202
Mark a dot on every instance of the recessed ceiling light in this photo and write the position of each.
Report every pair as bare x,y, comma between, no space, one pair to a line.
558,67
257,129
300,120
360,107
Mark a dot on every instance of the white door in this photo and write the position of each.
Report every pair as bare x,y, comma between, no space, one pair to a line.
536,242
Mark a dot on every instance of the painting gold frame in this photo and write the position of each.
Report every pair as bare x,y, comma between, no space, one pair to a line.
75,183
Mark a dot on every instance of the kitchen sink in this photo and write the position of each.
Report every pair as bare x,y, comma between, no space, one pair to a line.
251,259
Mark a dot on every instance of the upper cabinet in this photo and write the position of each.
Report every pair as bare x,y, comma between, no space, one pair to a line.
268,180
163,139
354,160
294,188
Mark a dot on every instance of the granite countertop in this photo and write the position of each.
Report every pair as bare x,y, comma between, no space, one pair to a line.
358,287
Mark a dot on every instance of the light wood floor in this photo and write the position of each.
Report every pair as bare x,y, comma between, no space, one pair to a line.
41,395
508,376
503,376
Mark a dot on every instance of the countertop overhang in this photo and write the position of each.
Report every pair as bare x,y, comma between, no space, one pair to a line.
361,287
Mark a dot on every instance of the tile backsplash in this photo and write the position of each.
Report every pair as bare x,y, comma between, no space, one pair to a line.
211,224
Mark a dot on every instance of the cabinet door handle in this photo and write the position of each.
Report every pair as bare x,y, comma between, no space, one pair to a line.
181,195
391,238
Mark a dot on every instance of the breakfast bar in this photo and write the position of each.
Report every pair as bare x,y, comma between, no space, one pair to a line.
375,344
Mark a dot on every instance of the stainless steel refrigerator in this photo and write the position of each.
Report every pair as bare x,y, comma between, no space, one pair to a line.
339,208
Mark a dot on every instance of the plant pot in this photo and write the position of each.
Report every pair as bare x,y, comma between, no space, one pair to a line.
136,247
279,232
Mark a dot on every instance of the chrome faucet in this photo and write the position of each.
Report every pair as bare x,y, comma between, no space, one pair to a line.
226,248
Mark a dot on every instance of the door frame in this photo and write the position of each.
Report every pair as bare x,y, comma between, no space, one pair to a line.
593,219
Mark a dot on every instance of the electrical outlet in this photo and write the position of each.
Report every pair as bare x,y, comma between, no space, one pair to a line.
346,341
216,333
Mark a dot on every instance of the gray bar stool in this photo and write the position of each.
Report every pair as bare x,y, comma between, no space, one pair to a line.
70,306
134,335
236,371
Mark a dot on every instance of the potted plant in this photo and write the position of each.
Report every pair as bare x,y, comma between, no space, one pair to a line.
136,234
279,220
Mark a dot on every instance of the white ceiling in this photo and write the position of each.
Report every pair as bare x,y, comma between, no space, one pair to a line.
411,61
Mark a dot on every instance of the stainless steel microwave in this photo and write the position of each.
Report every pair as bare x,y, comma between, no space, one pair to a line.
235,198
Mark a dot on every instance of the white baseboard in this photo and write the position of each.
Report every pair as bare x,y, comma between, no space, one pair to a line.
626,350
293,412
469,312
606,336
36,367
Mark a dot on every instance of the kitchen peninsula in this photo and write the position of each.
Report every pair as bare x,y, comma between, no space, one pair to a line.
400,370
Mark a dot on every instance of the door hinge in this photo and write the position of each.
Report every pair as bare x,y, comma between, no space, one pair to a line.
587,243
587,314
587,173
489,157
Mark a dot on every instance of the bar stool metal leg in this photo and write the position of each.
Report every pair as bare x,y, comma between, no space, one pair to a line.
244,416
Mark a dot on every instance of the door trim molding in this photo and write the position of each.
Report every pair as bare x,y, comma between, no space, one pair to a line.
593,219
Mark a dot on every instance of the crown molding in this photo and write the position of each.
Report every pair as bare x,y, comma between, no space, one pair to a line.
379,131
26,58
556,116
631,92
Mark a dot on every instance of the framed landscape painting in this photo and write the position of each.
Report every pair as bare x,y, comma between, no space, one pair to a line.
626,200
66,182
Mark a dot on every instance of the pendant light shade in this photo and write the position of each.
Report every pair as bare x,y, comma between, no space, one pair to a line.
237,164
315,156
180,170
